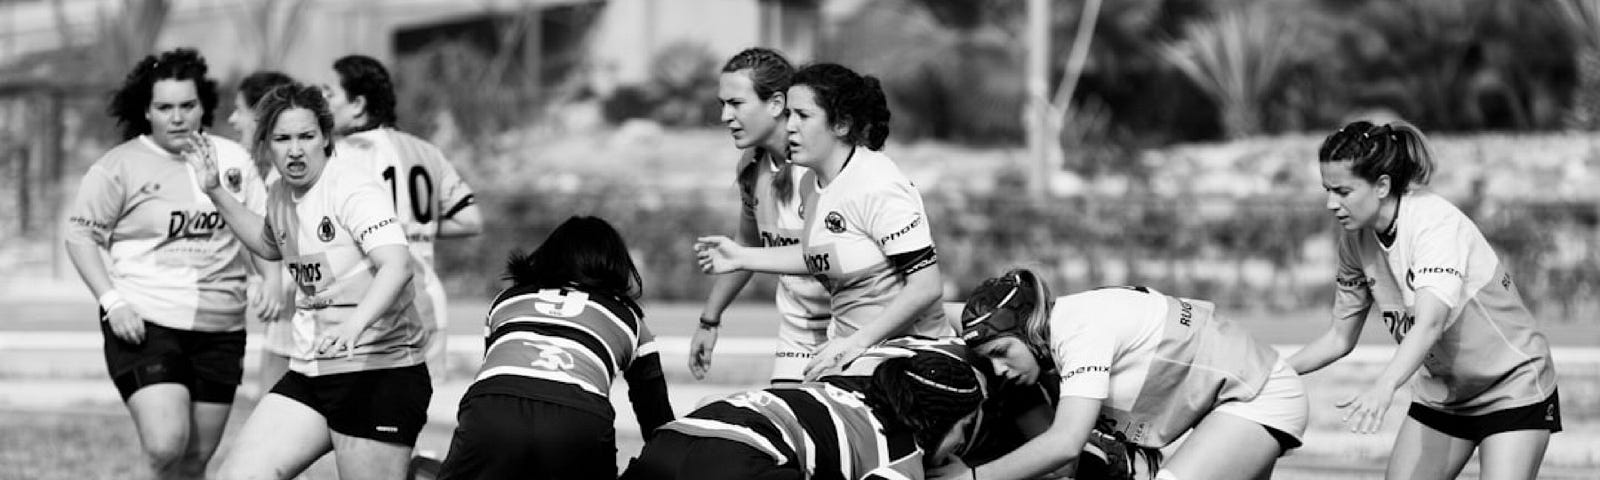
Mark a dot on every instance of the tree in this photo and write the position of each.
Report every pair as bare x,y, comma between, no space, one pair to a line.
1582,19
1236,59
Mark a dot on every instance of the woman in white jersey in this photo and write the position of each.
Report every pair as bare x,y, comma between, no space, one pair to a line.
356,384
172,297
1142,366
266,301
866,236
752,90
430,198
1486,380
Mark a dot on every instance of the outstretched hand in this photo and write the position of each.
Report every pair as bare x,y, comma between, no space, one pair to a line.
717,254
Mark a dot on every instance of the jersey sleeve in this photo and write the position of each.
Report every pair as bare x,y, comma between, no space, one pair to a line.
1439,258
893,216
1083,357
454,193
95,212
368,215
1352,295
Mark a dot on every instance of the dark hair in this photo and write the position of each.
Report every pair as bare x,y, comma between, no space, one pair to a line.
927,392
1397,149
256,85
1015,303
849,99
583,251
770,73
363,76
282,99
129,102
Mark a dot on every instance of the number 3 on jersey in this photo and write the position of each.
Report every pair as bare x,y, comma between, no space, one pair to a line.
419,191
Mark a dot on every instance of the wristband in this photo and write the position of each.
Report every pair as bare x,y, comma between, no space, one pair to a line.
112,300
709,323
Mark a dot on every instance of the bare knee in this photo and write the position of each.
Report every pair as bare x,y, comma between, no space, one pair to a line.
166,453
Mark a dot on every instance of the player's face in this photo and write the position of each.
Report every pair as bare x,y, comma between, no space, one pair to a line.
297,148
958,436
347,112
1011,359
243,119
1353,200
174,113
811,138
750,119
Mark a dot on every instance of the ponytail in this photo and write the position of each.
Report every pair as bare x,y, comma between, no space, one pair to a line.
1397,149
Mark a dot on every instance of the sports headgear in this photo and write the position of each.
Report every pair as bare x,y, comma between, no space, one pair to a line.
998,307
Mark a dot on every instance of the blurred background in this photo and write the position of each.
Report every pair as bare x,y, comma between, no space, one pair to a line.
1169,143
1162,142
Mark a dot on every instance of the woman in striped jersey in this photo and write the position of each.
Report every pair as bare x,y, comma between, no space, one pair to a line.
915,412
752,89
1486,380
556,340
1139,365
356,385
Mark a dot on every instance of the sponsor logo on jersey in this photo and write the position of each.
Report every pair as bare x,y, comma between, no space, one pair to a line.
834,222
1185,313
194,224
1085,369
769,239
325,230
235,179
1357,282
368,231
87,222
150,188
901,232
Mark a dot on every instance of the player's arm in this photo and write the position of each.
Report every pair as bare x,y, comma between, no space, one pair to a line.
923,288
718,254
247,225
728,285
647,390
1352,301
1056,449
466,221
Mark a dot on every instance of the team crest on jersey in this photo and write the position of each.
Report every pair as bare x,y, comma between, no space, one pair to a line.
834,222
325,230
235,179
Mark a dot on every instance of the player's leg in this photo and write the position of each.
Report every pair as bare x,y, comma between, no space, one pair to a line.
280,439
152,376
217,360
1422,452
1514,455
375,417
1245,439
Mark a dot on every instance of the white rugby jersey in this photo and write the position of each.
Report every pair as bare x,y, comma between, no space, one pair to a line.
1490,355
423,188
173,258
325,236
779,223
869,212
1160,363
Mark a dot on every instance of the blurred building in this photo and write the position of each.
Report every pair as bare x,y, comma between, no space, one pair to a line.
615,39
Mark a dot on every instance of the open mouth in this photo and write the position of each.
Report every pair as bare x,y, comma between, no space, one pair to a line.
295,168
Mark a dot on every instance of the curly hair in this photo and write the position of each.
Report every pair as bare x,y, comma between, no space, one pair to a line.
1396,149
282,99
364,76
849,99
928,392
130,101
